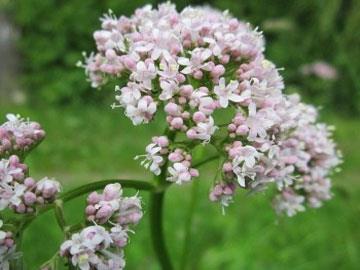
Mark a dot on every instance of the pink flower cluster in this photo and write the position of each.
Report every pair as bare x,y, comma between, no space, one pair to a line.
7,248
179,167
112,205
180,170
97,247
18,135
20,192
91,248
198,64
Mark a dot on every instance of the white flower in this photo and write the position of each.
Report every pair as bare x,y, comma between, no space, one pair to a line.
203,101
130,94
204,130
6,172
243,164
142,112
196,62
179,173
145,73
258,122
168,69
228,93
169,87
11,195
152,159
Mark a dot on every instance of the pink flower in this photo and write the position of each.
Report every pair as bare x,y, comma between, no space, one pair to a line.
228,93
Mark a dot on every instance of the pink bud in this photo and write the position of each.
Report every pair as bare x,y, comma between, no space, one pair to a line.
186,90
199,117
175,157
194,172
162,141
90,210
171,108
128,62
198,74
29,198
182,100
232,127
225,59
242,130
93,198
217,71
110,54
29,182
104,213
191,134
227,167
177,122
112,192
181,78
21,208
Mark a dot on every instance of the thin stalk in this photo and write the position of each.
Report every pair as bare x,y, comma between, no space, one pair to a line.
157,231
135,184
59,214
188,225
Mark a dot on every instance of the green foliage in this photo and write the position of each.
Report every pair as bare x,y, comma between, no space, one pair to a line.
54,33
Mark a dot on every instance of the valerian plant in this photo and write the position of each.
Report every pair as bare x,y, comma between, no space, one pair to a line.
207,72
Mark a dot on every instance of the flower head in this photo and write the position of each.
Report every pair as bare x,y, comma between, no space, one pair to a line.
195,64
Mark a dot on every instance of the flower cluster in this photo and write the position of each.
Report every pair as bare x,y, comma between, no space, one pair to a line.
18,135
18,191
180,169
7,248
111,204
89,249
196,63
101,246
22,193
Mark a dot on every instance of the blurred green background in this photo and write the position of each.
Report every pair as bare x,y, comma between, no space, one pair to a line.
87,141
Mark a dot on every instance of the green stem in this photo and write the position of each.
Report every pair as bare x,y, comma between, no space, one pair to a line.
59,214
135,184
188,223
157,232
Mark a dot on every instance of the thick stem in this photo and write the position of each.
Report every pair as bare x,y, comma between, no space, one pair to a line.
157,232
188,225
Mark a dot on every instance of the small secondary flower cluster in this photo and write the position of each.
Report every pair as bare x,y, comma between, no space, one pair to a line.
179,169
101,246
7,248
22,193
195,63
18,191
18,135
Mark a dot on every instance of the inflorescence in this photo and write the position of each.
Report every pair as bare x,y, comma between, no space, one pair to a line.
195,64
101,246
